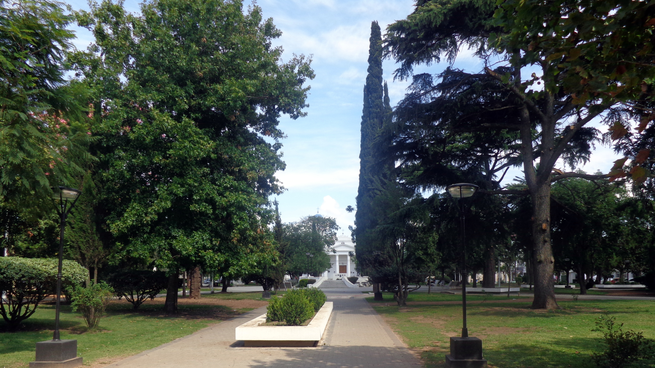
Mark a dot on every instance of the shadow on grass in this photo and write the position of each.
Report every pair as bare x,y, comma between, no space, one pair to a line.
188,312
524,355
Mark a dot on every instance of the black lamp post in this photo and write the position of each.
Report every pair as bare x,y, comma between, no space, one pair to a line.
57,352
465,351
309,262
65,196
460,191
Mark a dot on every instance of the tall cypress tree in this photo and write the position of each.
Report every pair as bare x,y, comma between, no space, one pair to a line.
372,121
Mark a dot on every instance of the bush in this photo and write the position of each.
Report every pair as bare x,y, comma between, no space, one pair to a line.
274,310
304,282
91,302
137,286
316,297
27,281
296,308
353,279
623,348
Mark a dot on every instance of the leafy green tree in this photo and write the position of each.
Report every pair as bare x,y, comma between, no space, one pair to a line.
307,242
43,129
597,226
188,97
84,235
571,85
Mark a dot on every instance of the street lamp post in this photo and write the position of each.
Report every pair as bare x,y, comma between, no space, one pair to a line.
465,351
57,352
309,262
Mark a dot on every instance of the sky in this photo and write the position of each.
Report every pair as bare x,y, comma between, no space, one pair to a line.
321,150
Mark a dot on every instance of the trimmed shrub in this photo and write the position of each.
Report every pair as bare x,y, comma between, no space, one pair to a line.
303,283
353,279
136,286
92,301
296,308
274,310
316,297
27,281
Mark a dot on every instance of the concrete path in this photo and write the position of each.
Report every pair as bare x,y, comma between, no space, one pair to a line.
356,338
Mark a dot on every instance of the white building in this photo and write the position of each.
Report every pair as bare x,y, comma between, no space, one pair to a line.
342,263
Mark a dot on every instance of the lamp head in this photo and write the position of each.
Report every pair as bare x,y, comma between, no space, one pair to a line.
67,193
462,190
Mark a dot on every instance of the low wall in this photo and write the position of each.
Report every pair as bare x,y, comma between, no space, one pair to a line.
253,334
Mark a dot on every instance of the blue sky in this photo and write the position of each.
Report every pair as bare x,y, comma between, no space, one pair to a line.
322,149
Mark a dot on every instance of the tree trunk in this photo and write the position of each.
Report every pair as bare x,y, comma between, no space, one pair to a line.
195,283
377,293
184,279
489,272
543,261
225,284
170,306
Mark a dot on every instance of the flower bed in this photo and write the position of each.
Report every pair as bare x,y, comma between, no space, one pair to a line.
254,334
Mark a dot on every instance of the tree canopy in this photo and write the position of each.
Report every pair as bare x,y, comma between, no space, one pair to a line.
546,115
187,98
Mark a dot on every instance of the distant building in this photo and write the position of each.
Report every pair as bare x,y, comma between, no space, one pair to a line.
342,263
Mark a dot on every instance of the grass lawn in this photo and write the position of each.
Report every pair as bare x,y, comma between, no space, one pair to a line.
122,332
513,335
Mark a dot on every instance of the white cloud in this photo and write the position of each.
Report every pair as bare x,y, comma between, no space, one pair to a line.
297,179
331,208
352,75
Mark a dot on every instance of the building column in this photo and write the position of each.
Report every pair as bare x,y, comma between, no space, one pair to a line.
348,264
336,264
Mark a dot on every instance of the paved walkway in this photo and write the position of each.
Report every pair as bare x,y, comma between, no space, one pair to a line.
356,337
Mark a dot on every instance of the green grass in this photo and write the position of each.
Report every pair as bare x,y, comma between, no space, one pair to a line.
513,335
122,332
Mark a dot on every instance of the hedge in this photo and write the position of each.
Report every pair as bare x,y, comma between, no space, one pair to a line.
296,306
27,281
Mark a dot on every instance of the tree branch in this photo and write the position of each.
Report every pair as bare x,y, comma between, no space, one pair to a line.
577,175
531,105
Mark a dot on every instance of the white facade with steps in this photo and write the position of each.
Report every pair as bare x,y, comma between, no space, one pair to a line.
342,262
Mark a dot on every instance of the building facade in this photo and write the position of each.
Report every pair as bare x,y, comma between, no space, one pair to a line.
342,259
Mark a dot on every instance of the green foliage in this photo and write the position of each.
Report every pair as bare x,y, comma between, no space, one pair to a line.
373,167
304,244
84,226
316,297
91,301
302,283
27,281
189,130
296,308
623,347
274,310
43,132
138,285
